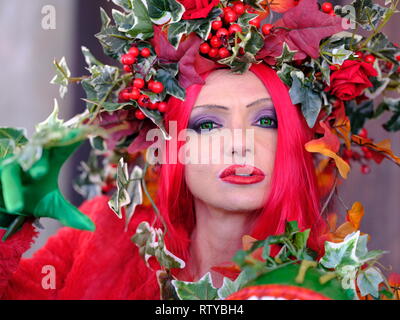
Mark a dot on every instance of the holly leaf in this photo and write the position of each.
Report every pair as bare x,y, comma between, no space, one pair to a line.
162,11
113,41
367,14
171,85
157,119
200,290
393,105
383,48
368,281
62,76
286,56
135,192
90,58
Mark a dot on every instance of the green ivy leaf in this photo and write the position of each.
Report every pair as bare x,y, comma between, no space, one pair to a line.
157,119
229,287
10,139
200,290
393,105
310,101
62,76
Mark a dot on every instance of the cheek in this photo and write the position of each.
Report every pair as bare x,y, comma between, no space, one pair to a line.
265,145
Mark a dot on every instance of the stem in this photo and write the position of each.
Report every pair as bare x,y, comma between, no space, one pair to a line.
157,212
330,195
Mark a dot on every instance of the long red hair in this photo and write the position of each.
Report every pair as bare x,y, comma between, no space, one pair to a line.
293,194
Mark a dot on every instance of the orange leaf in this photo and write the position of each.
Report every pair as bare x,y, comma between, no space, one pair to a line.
355,214
329,145
384,147
247,242
280,5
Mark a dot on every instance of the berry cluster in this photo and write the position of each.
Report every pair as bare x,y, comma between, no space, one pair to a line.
223,30
139,86
365,156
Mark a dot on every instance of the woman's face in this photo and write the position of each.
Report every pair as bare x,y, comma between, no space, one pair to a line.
238,105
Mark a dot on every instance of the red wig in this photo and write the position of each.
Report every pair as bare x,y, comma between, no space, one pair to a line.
293,194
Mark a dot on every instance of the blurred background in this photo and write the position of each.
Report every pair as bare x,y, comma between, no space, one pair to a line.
26,54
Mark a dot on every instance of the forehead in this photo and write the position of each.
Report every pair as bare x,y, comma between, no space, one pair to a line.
224,87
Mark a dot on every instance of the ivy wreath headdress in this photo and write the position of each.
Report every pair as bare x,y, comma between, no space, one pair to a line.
161,47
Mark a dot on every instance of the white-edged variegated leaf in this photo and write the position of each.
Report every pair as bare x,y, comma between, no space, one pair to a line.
151,243
135,191
62,76
368,281
229,287
121,197
200,290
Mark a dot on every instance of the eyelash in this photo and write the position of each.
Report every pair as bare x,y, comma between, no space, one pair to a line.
199,129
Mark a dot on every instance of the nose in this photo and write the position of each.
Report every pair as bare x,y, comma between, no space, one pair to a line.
242,146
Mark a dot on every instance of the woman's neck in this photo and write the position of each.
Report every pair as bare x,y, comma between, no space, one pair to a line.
216,238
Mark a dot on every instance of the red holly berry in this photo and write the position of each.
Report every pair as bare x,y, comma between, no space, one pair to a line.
138,83
365,169
213,53
134,51
135,94
370,58
363,133
367,153
144,101
150,84
327,7
217,24
157,87
204,48
222,33
266,28
215,42
145,53
125,95
230,16
348,153
359,54
239,8
398,58
162,107
235,28
139,114
332,13
153,106
256,22
128,59
127,68
355,156
224,52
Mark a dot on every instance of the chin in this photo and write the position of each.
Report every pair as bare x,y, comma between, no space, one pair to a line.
241,200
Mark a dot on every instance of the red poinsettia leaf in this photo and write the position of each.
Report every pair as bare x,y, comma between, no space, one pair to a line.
191,63
140,143
302,28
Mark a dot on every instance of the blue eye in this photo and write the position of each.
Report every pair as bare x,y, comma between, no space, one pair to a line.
267,122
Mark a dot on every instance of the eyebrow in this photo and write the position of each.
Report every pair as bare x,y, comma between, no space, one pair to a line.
210,106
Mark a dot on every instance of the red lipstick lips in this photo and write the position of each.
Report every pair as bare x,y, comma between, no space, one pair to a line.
242,174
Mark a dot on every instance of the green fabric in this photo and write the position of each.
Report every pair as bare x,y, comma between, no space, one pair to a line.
36,193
